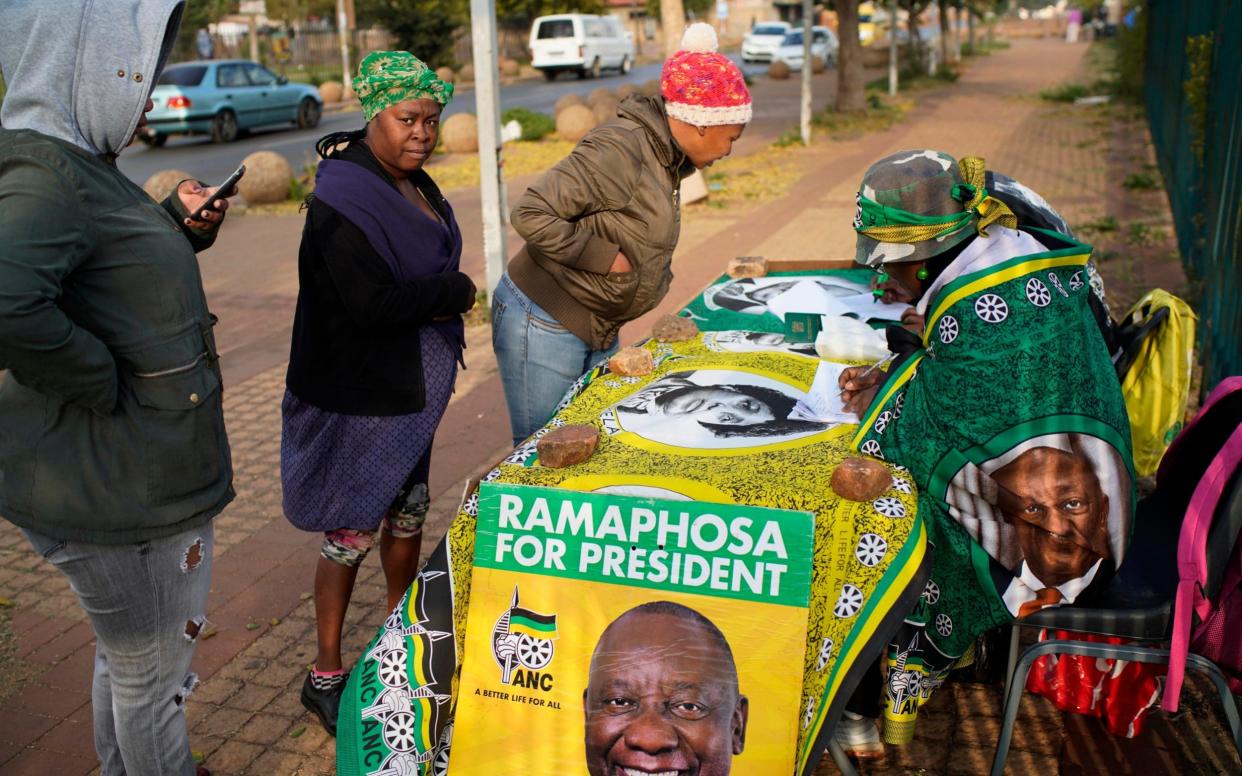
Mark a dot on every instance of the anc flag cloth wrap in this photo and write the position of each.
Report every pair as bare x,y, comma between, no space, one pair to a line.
868,569
1012,424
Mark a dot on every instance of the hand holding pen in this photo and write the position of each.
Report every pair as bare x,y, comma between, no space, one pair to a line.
860,384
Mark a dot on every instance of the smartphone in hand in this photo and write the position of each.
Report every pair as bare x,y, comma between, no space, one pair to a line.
223,191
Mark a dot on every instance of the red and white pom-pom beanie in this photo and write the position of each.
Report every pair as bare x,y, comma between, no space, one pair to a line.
701,86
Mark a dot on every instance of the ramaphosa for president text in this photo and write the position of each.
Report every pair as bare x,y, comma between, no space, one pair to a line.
740,552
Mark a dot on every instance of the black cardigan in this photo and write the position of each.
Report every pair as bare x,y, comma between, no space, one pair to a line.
355,347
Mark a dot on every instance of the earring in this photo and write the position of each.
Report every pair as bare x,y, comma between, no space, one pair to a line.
921,274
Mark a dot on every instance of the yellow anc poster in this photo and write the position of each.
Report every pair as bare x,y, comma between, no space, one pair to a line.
450,686
613,635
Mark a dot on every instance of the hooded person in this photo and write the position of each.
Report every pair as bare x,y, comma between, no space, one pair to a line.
1007,410
113,455
601,227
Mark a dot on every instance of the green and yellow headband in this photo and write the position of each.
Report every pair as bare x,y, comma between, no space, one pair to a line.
386,78
885,223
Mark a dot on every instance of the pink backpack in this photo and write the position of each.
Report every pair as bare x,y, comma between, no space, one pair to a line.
1211,626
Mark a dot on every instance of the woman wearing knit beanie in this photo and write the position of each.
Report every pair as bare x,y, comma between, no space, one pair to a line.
601,226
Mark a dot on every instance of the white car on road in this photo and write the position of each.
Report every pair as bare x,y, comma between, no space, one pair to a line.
761,43
581,43
823,47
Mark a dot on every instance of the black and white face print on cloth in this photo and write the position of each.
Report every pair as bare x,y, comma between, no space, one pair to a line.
755,341
713,409
751,295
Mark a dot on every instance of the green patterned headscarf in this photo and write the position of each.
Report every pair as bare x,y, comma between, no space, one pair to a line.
386,78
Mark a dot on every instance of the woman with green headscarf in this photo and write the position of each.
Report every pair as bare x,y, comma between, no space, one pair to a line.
1007,412
377,338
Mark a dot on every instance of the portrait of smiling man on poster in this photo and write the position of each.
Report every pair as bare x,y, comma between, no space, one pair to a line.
662,696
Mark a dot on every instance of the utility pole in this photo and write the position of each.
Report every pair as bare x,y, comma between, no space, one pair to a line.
673,22
342,26
892,49
487,103
808,10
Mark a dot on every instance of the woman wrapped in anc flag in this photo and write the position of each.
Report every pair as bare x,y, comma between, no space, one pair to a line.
1007,412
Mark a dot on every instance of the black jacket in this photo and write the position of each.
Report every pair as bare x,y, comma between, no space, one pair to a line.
355,346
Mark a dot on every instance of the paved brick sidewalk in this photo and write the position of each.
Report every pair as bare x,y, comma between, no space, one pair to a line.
245,717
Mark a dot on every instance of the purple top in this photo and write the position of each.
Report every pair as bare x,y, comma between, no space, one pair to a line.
412,243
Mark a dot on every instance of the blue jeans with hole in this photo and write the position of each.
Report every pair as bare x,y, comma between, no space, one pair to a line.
539,359
146,602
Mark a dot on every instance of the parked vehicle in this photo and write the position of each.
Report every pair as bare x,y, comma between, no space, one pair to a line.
223,97
581,43
761,43
823,47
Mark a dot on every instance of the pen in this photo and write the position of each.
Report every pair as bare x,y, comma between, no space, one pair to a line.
870,369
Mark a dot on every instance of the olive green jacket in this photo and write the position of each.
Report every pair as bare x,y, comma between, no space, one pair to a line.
617,192
111,422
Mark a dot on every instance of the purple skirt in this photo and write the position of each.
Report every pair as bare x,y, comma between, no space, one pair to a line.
344,471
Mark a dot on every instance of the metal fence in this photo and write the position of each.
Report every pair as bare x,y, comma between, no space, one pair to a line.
1194,106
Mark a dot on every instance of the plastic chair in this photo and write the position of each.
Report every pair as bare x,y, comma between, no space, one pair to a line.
1136,605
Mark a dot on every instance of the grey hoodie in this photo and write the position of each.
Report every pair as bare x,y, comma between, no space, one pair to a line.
81,70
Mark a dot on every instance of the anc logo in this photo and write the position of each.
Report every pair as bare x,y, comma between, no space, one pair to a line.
523,643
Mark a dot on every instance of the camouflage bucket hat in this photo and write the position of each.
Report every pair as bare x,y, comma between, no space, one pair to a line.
913,205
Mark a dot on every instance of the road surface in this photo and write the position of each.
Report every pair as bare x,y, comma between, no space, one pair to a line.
208,161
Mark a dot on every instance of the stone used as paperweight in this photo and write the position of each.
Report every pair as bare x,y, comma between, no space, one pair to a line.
674,328
632,362
860,479
747,267
567,445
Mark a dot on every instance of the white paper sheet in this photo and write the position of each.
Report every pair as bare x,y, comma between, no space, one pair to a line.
806,296
823,402
866,308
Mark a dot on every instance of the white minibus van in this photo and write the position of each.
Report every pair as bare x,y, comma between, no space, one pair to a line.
582,43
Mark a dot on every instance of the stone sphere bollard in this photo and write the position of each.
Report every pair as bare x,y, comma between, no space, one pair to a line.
575,122
466,74
597,95
605,111
161,184
331,91
446,74
267,178
566,100
778,70
460,133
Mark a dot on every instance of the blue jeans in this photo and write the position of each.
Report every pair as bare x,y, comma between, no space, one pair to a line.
539,359
146,602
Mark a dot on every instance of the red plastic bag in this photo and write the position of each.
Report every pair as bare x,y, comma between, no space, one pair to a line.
1118,691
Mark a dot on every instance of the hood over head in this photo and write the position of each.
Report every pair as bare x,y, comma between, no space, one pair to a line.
81,70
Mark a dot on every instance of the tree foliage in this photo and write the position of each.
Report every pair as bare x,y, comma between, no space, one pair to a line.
425,28
696,9
195,16
526,11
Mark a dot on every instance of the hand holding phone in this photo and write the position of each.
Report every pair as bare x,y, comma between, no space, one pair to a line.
222,191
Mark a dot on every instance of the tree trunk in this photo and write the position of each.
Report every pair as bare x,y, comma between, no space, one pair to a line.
916,43
942,11
970,25
673,23
851,91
